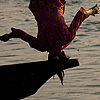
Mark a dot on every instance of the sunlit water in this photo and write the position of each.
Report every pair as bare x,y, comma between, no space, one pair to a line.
81,83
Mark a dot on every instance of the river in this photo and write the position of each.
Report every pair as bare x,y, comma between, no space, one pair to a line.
80,83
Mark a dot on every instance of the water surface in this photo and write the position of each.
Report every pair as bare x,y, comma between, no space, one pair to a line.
81,83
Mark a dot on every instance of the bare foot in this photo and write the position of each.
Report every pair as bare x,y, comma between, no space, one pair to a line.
95,10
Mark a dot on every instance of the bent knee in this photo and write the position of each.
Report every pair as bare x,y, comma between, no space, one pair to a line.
39,48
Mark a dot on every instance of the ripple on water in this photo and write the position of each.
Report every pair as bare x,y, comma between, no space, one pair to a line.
81,83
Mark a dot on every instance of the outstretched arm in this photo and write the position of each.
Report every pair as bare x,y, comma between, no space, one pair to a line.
17,33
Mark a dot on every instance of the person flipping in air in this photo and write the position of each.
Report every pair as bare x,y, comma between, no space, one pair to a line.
53,33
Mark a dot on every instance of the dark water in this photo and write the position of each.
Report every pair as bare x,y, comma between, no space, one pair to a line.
81,83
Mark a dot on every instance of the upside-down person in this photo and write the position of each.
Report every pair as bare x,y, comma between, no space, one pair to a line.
53,33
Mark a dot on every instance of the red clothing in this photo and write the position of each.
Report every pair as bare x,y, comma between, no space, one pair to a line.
53,33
